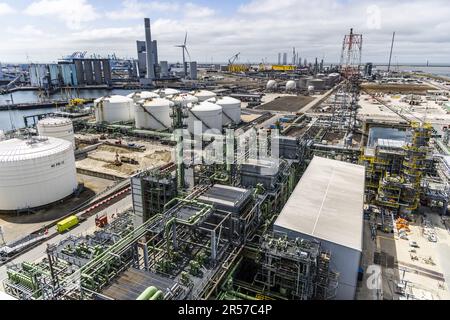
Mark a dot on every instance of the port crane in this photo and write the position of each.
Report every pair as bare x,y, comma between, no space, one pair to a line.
232,67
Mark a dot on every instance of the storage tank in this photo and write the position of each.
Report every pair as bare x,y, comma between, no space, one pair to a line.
183,99
291,85
57,128
166,92
203,95
136,96
35,172
271,85
318,84
113,109
153,114
231,110
208,113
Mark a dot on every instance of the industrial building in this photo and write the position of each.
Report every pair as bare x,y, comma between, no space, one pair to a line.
71,73
327,206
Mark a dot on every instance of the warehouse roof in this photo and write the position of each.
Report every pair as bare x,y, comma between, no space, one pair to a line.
327,203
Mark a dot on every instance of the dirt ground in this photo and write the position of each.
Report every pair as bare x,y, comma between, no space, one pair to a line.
396,88
288,104
103,159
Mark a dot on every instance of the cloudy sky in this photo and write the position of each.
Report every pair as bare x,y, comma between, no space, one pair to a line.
45,30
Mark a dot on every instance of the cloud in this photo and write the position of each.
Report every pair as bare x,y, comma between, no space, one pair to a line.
132,9
196,11
258,29
6,9
27,31
72,12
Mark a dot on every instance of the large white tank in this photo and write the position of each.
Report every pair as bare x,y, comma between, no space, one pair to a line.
209,114
166,92
271,85
57,128
203,95
113,109
153,114
136,96
318,84
291,85
231,110
184,99
35,172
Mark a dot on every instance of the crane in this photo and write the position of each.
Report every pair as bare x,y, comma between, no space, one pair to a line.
233,59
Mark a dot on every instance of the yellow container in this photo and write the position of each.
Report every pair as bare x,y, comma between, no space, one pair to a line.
66,223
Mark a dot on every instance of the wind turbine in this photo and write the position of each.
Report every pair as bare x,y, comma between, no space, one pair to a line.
184,48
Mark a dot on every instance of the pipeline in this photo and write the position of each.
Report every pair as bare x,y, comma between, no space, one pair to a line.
148,293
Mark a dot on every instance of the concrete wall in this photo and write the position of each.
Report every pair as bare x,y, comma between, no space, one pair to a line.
344,260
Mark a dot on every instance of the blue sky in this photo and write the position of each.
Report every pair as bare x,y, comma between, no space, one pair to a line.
45,30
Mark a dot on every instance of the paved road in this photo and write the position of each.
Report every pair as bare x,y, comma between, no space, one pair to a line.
85,227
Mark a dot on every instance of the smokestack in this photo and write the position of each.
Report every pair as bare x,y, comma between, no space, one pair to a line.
149,50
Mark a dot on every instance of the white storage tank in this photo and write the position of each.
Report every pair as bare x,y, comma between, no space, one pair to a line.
271,85
291,85
57,128
203,95
209,114
153,114
35,172
114,109
318,84
231,110
136,96
184,99
166,92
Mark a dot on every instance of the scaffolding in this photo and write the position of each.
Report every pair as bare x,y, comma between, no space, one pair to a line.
394,171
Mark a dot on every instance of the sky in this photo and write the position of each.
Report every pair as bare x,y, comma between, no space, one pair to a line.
46,30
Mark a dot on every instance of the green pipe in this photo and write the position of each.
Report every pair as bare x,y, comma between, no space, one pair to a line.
148,293
157,296
241,295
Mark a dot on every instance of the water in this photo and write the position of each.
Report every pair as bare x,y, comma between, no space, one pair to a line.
437,71
15,117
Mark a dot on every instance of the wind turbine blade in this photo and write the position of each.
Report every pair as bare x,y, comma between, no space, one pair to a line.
185,38
189,56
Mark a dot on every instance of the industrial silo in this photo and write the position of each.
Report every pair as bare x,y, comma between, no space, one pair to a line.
166,92
97,71
231,110
56,128
114,109
183,99
153,114
271,85
207,115
137,96
35,172
318,84
203,95
291,85
88,72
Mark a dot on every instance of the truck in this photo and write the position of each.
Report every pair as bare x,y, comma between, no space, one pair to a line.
66,224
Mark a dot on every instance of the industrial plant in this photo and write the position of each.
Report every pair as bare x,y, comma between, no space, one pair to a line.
283,181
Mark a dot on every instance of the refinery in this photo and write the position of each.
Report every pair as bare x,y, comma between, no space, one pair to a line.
236,181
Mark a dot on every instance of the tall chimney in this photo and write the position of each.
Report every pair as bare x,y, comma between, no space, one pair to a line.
149,50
